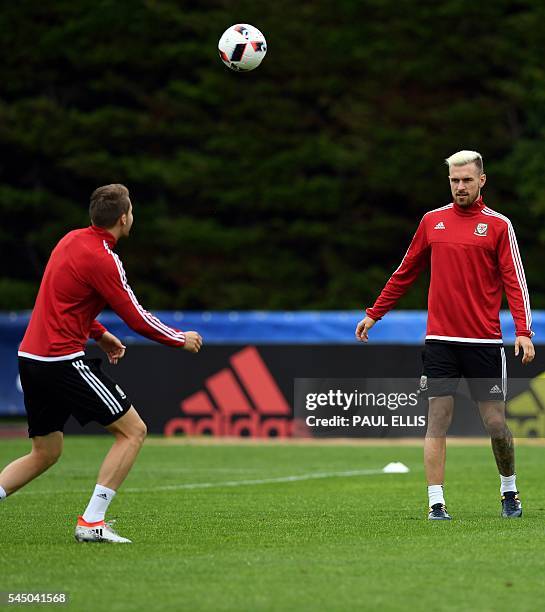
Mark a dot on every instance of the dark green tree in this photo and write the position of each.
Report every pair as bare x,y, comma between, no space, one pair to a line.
295,186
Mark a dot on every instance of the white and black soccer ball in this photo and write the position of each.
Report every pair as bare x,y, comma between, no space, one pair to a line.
242,47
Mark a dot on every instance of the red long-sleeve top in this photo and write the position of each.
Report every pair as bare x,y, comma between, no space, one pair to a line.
474,256
84,275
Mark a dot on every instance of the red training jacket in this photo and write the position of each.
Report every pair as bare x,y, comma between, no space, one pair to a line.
474,256
82,276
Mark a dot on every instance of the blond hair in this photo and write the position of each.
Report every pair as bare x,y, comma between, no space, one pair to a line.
461,158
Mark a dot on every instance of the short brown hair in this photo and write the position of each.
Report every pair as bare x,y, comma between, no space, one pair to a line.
108,203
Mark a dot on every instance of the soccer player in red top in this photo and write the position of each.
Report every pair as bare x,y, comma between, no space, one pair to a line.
83,275
474,256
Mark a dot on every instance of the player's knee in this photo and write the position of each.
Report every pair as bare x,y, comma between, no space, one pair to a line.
138,432
142,431
495,426
130,428
47,456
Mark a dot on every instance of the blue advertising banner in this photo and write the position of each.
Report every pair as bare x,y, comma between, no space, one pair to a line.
333,328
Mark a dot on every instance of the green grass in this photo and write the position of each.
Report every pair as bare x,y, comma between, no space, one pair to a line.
337,543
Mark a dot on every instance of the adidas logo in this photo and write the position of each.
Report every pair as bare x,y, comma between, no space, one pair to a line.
495,389
102,496
240,400
440,225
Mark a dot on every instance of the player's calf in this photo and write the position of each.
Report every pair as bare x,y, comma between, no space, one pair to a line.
129,432
45,452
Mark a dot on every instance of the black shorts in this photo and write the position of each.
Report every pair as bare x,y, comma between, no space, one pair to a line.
54,390
483,366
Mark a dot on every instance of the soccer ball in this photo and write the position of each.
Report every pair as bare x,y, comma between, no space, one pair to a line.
242,47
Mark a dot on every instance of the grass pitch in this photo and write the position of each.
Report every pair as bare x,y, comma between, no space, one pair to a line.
206,541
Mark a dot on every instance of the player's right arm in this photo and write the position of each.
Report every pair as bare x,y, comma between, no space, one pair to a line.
363,328
109,279
415,260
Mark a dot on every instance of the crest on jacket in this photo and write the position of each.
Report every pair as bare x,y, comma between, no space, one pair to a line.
481,229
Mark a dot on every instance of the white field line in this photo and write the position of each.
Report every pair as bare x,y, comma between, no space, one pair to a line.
228,483
260,481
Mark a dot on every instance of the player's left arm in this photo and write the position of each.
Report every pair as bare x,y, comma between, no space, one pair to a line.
528,350
97,330
516,290
110,344
108,278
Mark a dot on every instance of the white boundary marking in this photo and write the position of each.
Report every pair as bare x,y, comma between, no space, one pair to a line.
230,483
259,481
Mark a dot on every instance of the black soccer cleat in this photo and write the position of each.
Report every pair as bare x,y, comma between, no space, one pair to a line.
438,512
510,505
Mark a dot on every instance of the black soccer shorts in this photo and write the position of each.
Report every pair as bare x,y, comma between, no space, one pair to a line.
54,390
483,366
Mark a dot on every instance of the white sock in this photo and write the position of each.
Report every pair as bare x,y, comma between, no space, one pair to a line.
98,504
435,494
3,494
508,483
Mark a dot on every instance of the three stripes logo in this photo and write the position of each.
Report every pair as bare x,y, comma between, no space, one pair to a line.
240,400
98,387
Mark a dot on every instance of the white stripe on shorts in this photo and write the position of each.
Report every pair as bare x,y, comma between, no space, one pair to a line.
117,406
98,387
